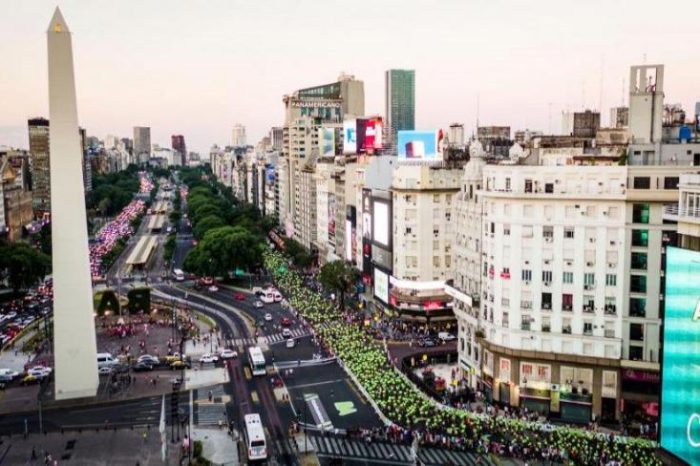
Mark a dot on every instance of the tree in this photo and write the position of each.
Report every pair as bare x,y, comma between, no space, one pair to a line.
223,250
339,277
300,257
209,222
22,266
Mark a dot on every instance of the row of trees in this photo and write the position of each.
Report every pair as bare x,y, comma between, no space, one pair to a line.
21,265
111,192
230,234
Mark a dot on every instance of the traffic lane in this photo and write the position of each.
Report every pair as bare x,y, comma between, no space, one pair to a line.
303,350
344,404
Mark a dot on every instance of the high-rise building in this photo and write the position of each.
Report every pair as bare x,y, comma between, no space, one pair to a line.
619,117
178,145
142,144
646,105
586,124
39,148
238,138
87,172
75,346
400,98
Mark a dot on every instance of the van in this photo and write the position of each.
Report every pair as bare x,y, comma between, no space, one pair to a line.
106,360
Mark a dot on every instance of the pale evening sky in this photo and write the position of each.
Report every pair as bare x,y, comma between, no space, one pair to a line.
198,67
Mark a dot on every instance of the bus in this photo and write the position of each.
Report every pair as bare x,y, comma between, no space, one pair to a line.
254,437
179,275
256,361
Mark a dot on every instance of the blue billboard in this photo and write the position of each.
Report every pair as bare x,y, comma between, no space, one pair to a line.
680,381
419,145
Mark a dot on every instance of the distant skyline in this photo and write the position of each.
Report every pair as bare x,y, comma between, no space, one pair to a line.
196,68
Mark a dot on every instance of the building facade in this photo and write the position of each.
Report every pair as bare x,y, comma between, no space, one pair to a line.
40,170
179,146
142,144
400,101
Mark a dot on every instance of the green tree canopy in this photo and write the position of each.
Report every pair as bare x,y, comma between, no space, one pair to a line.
338,277
207,223
22,266
223,250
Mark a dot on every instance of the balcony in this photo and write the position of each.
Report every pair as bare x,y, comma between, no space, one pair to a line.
566,330
610,309
588,309
526,304
609,334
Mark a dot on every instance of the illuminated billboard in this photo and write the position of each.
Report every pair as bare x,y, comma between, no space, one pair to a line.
680,376
350,136
374,133
326,141
361,127
420,145
381,222
381,286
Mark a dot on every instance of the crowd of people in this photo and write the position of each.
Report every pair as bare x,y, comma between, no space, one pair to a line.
432,423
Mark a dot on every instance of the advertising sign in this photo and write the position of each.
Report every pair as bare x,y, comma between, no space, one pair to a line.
504,370
420,145
366,214
331,215
326,141
350,233
270,175
680,377
350,137
374,134
381,227
381,286
361,127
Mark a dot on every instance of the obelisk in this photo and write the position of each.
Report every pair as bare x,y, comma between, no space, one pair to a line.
75,347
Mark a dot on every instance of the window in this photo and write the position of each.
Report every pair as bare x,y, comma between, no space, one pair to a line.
568,277
640,213
506,230
638,307
639,260
640,238
636,353
525,324
547,301
436,261
568,232
613,212
567,302
528,186
642,182
566,326
436,198
547,276
570,211
548,232
610,279
589,280
610,305
588,328
637,332
671,182
507,184
546,325
638,284
448,261
549,187
526,275
411,261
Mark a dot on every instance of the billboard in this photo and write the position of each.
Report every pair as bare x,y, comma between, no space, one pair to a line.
331,215
420,145
680,369
350,136
326,141
381,222
381,286
350,234
366,214
270,175
361,127
374,134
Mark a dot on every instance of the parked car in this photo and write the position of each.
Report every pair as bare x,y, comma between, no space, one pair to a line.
40,371
285,322
258,304
446,336
208,358
8,375
179,364
286,333
268,317
148,359
142,366
228,354
239,296
291,342
427,342
104,370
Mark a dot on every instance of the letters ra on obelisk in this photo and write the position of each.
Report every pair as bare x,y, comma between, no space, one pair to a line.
75,348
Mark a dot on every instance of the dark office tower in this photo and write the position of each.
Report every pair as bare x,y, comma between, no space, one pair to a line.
87,172
39,148
178,145
400,97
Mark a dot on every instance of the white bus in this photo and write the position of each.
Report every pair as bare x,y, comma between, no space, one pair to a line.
256,359
179,275
255,437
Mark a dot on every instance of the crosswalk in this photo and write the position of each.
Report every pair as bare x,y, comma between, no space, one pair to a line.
268,339
210,413
389,453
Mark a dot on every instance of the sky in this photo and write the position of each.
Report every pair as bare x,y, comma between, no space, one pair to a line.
197,67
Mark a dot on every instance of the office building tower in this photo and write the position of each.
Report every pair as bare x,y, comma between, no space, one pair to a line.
400,98
142,144
39,148
178,145
238,138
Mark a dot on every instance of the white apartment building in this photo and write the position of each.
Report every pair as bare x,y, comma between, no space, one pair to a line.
325,213
687,211
423,198
567,318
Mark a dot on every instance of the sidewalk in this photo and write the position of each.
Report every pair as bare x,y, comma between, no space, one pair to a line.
218,446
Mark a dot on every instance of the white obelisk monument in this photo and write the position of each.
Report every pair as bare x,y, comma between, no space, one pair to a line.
75,346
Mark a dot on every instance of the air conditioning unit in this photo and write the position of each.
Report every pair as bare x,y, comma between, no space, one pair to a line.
548,239
527,282
555,387
611,264
587,287
612,243
592,240
547,283
568,263
546,262
589,264
605,212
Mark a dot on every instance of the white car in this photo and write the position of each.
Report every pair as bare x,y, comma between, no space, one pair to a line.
268,317
39,372
104,370
6,375
291,343
213,288
208,358
228,354
446,336
258,304
147,358
286,333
